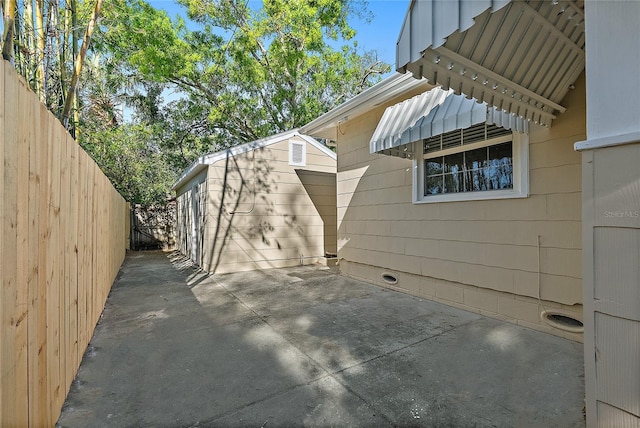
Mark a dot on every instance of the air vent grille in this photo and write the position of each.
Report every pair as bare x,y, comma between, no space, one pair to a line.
460,137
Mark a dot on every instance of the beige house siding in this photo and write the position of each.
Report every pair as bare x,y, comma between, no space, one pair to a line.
321,188
612,248
186,224
479,255
260,214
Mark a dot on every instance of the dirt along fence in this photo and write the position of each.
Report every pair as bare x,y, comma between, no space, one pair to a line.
63,232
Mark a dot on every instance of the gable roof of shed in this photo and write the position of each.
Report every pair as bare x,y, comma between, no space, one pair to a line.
203,161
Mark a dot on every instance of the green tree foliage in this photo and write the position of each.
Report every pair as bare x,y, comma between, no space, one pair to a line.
155,93
144,152
137,169
257,71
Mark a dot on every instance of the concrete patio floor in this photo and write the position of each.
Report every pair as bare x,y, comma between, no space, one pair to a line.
304,346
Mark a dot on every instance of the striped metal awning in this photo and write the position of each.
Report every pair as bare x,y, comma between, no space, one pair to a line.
521,56
433,113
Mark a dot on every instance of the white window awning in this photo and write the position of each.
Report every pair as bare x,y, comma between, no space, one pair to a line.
519,56
433,113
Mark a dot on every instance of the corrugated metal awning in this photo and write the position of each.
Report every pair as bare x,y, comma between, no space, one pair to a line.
519,56
433,113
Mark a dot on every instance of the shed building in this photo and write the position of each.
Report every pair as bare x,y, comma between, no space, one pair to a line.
268,203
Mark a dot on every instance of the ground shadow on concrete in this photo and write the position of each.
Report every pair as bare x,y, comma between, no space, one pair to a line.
304,346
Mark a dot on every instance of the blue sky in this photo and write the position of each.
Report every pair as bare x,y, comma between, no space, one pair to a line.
380,34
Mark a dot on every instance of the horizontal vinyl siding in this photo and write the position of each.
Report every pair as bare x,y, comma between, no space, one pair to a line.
491,245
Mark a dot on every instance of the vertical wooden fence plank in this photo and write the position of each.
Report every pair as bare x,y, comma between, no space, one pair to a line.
82,255
79,246
63,285
100,250
61,134
22,252
43,398
4,247
89,245
53,297
96,250
10,263
109,242
13,359
91,249
5,346
72,262
105,247
35,324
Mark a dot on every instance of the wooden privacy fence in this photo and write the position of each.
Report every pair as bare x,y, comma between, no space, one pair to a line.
63,238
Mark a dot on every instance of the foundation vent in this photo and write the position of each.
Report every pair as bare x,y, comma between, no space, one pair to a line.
389,278
562,321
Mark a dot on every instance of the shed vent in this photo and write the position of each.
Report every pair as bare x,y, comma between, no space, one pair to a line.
297,154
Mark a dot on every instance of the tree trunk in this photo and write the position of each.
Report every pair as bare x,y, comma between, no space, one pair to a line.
65,41
17,43
51,47
73,4
74,44
39,34
9,29
26,40
68,103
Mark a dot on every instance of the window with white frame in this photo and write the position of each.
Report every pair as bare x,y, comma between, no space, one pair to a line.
479,162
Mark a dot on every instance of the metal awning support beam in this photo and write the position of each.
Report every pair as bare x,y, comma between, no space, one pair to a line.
475,81
502,81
